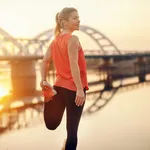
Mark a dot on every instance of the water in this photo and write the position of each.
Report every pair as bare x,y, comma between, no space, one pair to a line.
123,124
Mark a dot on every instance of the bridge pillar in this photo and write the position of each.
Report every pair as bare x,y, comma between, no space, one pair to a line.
107,67
23,77
141,61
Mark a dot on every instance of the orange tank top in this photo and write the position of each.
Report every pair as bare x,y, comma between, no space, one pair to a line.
59,51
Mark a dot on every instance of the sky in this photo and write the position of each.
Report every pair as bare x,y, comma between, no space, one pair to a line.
125,22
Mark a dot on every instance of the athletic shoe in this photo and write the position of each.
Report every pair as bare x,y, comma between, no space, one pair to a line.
47,91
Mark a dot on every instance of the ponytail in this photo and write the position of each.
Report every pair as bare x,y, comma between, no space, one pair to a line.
64,14
57,27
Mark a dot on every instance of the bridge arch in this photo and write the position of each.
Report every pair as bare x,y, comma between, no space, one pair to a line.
6,37
41,42
104,43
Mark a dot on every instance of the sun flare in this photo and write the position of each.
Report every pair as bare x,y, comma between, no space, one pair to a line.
3,91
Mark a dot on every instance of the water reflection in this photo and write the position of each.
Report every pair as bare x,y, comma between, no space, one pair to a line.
20,115
27,111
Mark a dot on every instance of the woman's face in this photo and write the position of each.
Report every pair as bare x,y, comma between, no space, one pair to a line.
73,23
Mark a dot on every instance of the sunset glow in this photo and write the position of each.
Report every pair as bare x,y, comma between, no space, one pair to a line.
126,22
3,91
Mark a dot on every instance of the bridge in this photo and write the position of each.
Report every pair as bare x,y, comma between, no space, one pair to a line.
36,46
109,63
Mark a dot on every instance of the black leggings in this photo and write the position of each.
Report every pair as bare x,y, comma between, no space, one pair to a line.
53,112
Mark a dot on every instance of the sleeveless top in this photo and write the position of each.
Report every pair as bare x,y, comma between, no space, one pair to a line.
60,58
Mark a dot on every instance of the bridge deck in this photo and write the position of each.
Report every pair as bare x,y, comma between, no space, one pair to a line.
88,55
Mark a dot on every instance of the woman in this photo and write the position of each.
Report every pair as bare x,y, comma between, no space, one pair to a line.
71,79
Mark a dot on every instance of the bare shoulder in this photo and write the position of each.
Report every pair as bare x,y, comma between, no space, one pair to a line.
73,39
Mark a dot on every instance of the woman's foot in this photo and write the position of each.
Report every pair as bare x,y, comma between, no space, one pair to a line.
47,91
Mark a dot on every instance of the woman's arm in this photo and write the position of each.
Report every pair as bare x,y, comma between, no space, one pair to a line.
75,70
73,44
45,63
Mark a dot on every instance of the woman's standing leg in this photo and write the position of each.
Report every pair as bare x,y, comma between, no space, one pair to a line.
73,118
54,109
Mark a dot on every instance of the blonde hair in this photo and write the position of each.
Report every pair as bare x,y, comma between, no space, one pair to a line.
64,14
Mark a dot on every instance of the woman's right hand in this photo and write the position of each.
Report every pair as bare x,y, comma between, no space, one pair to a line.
80,97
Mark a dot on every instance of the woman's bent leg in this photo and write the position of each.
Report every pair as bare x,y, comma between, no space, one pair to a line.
53,110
